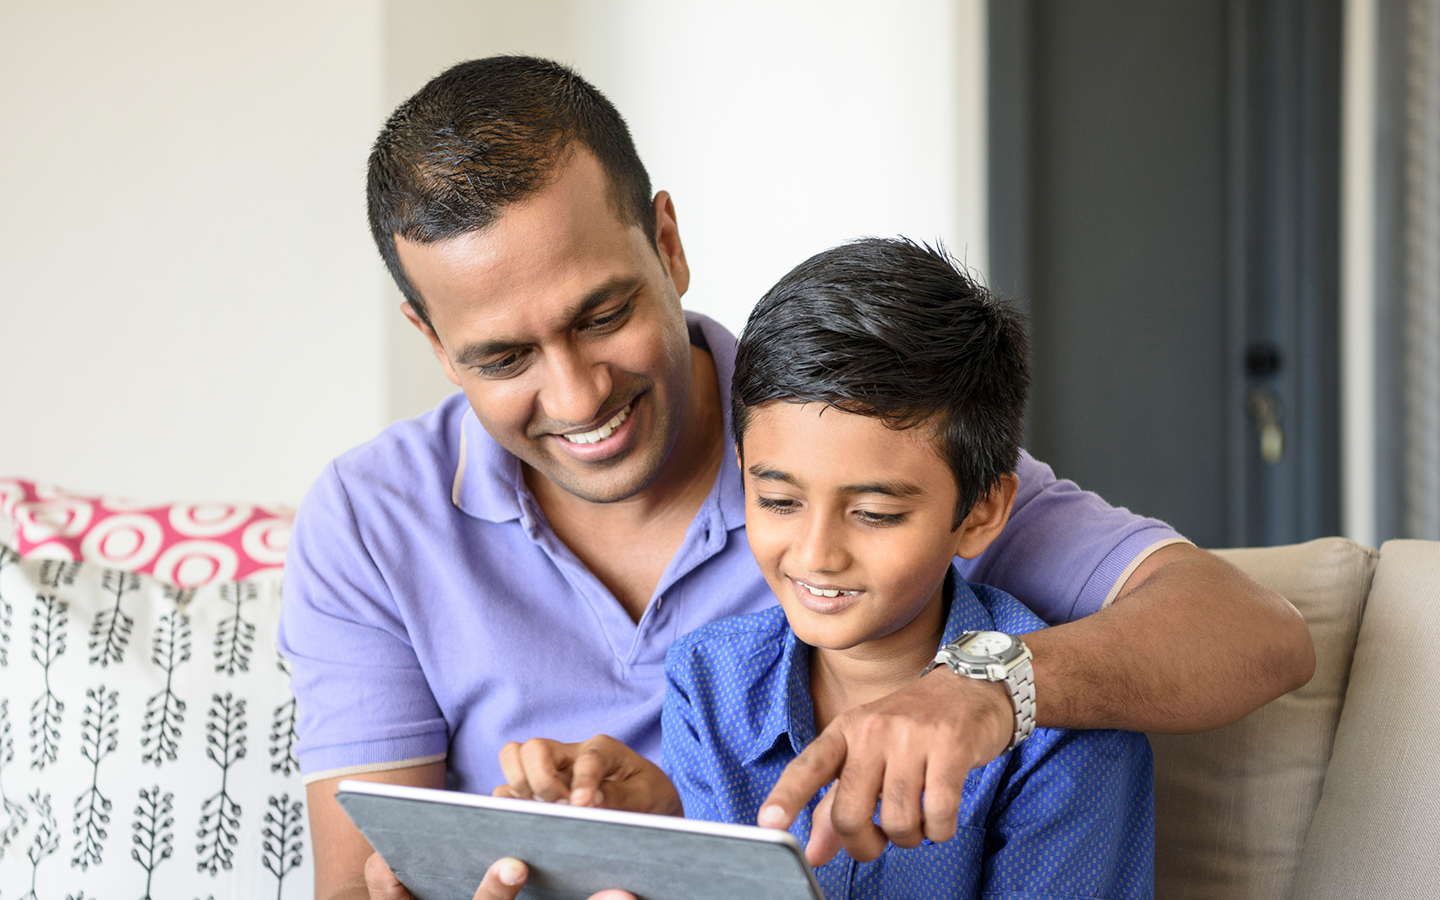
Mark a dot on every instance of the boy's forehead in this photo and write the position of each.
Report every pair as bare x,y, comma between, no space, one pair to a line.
820,442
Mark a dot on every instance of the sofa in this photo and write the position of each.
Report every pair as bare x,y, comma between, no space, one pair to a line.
147,729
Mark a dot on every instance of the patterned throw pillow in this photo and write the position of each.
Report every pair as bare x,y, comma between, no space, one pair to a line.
184,544
146,738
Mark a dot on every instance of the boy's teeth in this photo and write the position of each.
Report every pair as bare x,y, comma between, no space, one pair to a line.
824,593
601,433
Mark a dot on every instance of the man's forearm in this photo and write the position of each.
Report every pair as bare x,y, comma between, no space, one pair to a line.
1190,644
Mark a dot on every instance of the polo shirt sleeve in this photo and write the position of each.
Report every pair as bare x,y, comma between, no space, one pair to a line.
363,702
1074,818
1065,552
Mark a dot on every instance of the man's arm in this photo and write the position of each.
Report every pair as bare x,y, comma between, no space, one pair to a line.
1189,644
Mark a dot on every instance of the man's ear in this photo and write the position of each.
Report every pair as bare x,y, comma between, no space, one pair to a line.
667,242
987,519
435,345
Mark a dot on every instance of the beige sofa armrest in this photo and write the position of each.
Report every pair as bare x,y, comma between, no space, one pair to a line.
1375,831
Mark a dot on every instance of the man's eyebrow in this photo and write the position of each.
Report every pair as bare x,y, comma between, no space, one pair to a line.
620,285
889,487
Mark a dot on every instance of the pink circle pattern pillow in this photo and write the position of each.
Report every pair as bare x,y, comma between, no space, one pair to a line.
183,544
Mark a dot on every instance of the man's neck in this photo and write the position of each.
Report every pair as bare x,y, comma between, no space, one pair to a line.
627,544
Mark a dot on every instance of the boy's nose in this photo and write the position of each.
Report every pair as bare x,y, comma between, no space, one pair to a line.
822,549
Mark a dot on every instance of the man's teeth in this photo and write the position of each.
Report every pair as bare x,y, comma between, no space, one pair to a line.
601,433
826,593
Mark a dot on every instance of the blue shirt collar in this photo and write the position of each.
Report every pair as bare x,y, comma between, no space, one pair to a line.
488,483
789,709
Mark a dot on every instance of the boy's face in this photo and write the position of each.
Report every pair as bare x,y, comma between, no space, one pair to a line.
839,504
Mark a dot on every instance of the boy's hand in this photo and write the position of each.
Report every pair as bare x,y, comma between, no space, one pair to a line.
924,738
598,772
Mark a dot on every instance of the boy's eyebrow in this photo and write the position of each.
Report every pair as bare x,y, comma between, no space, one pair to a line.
473,354
889,487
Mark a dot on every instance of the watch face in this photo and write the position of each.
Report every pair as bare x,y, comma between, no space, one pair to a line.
987,643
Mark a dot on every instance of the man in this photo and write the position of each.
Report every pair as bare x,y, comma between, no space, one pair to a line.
517,561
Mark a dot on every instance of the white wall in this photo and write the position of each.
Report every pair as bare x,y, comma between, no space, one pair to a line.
189,303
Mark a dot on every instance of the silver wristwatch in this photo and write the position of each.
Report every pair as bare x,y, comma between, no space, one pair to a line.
996,656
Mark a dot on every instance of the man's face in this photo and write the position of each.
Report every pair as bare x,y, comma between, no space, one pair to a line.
563,326
850,522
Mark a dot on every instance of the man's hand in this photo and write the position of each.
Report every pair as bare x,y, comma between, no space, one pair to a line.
598,772
502,881
924,738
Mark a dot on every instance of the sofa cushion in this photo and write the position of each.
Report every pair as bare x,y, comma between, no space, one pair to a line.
184,544
1232,806
1381,803
146,736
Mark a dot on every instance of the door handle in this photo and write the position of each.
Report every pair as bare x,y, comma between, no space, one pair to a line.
1264,406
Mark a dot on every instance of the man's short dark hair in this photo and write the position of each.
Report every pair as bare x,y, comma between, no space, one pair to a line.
483,135
898,331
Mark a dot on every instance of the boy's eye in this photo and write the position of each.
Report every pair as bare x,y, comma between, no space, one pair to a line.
870,517
775,504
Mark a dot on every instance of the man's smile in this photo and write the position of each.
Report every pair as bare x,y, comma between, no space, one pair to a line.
601,433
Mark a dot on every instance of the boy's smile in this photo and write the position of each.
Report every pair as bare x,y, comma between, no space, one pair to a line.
850,521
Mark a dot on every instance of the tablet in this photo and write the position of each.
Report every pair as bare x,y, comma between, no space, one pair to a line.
440,844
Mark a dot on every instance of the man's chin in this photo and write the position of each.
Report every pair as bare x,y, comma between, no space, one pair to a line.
608,482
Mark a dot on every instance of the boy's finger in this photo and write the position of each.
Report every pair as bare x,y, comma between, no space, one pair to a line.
503,880
514,769
816,766
596,760
381,883
543,760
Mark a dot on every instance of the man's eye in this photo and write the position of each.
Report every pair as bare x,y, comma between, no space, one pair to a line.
610,320
775,504
503,366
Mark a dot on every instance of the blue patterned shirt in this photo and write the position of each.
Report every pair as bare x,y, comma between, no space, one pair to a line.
1066,814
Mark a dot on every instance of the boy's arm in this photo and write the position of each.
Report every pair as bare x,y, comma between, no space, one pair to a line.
1189,644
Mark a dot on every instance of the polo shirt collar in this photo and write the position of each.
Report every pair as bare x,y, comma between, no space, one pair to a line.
789,709
488,483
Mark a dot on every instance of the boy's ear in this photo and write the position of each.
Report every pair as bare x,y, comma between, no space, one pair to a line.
987,519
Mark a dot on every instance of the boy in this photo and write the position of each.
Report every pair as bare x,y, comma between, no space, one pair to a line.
877,412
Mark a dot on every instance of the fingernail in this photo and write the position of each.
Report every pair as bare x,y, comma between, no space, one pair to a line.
771,816
511,872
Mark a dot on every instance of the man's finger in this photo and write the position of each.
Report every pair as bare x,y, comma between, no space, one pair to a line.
856,793
547,769
514,771
816,766
900,818
502,881
944,782
824,843
381,882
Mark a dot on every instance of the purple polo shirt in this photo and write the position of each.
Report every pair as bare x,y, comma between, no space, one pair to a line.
430,612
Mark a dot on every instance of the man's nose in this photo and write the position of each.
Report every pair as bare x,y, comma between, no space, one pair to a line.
576,388
822,546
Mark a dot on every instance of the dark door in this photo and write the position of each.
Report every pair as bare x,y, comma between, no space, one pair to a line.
1164,184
